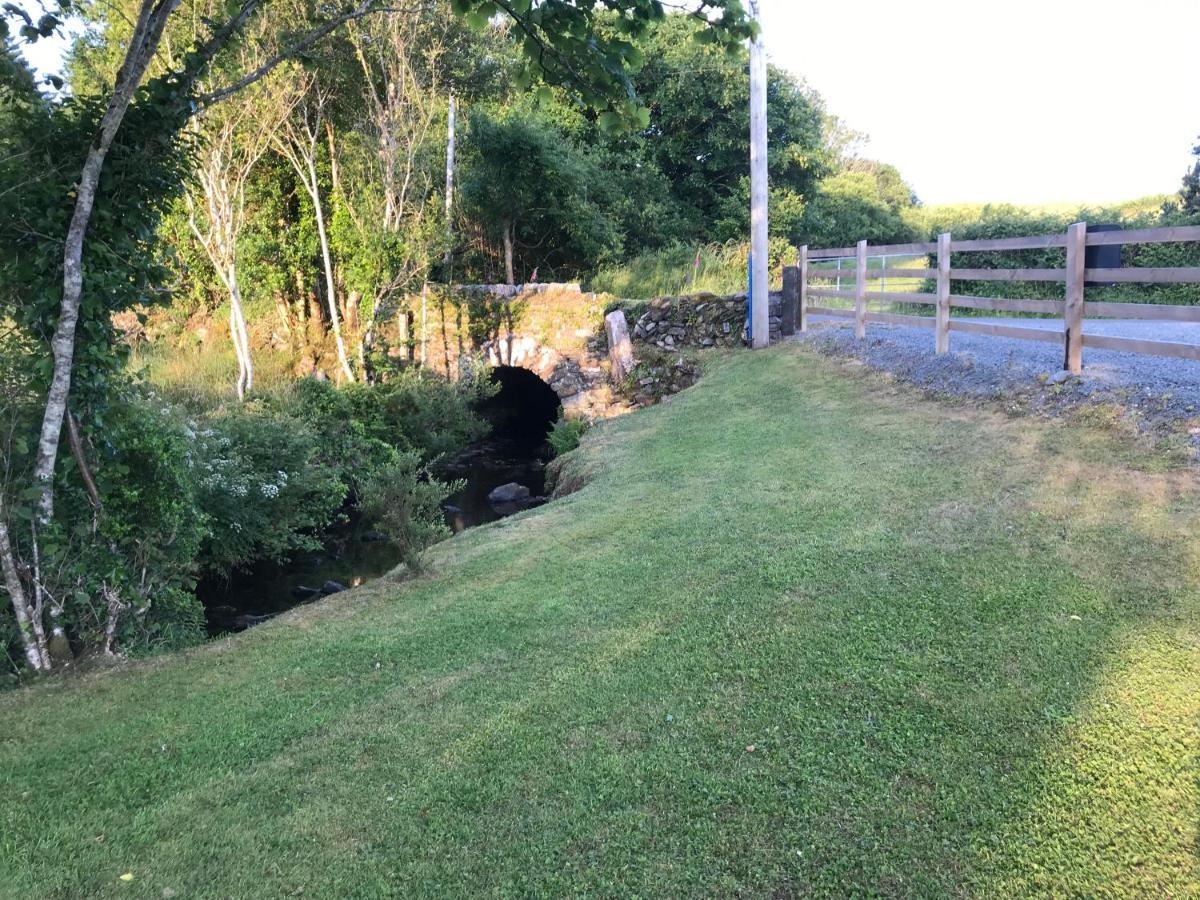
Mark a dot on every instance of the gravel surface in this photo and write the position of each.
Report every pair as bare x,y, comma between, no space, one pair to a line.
1156,395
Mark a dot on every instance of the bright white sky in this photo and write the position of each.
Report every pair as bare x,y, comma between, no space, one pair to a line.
1019,101
1016,101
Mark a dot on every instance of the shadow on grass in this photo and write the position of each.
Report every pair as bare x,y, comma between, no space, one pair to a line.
801,633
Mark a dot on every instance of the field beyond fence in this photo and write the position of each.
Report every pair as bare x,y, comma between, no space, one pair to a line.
892,274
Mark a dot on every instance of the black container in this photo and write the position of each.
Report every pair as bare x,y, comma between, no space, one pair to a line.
1106,257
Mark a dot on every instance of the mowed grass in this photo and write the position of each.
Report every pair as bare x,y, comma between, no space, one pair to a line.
803,633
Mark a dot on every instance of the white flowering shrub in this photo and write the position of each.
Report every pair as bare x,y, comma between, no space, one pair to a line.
261,487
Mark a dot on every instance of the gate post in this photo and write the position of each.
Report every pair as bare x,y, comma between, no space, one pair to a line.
1073,309
942,331
860,291
790,301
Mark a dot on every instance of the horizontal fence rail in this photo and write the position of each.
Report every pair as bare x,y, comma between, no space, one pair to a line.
852,286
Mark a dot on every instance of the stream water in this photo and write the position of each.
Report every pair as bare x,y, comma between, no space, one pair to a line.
514,452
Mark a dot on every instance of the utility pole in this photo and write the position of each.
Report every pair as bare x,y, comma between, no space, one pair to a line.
759,301
450,183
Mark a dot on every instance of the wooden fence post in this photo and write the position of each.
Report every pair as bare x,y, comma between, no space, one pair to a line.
803,323
789,301
860,291
942,329
1073,309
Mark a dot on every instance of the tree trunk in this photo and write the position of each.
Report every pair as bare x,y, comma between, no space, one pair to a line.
29,618
508,228
147,34
327,261
115,607
241,335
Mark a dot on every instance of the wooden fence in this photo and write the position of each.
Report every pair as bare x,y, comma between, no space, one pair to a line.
1073,308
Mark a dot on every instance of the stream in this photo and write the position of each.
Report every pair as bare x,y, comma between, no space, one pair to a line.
515,452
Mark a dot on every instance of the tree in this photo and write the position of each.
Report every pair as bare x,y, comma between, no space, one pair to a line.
531,187
385,225
866,200
563,42
299,141
232,137
1189,193
698,133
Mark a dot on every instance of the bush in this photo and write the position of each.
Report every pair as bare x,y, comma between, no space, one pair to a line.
261,487
566,434
722,269
406,502
413,410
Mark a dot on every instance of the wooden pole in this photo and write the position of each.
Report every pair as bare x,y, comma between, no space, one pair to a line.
1073,310
942,325
759,300
860,291
803,316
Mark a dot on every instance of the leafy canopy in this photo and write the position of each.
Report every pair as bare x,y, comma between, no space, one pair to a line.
592,47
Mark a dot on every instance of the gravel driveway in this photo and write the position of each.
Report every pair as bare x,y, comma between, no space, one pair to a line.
1160,395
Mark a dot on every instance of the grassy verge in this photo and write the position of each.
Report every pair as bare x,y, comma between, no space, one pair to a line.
682,269
801,634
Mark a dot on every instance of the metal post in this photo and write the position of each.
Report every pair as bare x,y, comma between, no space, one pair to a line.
941,340
860,291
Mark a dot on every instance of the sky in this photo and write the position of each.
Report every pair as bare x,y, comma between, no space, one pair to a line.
1004,101
1017,101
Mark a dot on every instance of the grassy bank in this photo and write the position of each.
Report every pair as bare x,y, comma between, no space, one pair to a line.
802,633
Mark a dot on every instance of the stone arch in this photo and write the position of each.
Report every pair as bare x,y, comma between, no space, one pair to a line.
580,381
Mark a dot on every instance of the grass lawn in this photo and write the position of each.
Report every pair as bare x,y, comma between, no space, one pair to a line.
803,633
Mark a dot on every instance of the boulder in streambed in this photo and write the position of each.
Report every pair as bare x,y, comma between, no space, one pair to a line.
509,494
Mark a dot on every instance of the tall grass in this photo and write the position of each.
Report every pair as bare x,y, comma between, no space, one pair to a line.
203,378
684,269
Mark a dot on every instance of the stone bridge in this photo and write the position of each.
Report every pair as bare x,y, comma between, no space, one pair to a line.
557,332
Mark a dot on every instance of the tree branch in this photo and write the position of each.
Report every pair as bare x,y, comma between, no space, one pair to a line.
364,8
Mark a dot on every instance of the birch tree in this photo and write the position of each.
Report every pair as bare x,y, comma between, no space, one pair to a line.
233,137
298,140
387,206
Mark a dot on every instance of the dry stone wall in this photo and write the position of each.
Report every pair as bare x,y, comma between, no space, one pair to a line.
701,320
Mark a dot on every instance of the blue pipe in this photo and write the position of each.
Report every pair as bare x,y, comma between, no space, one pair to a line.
750,297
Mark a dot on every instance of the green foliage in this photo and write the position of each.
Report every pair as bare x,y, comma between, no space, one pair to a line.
1189,192
565,435
721,269
529,185
261,488
406,501
869,201
698,136
592,48
412,410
